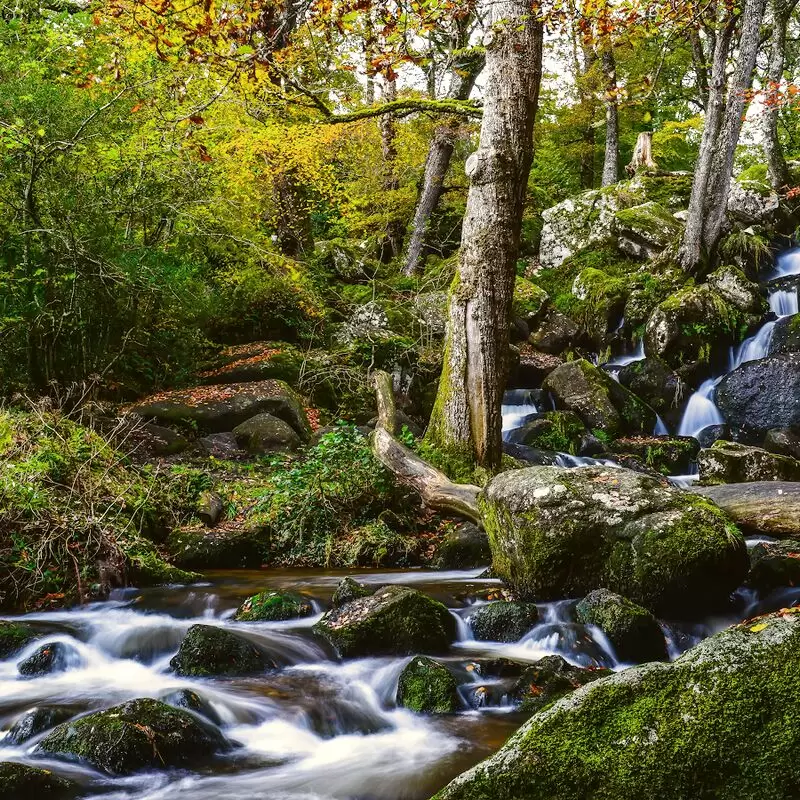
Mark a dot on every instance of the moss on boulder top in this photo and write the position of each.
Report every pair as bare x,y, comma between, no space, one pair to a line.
137,735
206,651
396,620
23,782
503,621
722,721
273,606
13,637
428,687
731,462
558,533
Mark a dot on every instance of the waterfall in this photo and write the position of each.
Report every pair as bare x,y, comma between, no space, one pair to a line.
622,361
518,406
787,263
701,411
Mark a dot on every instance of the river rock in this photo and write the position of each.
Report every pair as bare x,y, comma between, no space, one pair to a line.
556,332
763,394
730,462
464,546
207,650
664,730
23,782
652,380
554,431
13,637
396,620
36,721
273,607
194,548
785,336
349,589
217,409
768,507
599,401
427,687
559,533
503,621
774,565
667,455
731,284
138,735
549,679
783,441
186,698
51,657
632,630
266,434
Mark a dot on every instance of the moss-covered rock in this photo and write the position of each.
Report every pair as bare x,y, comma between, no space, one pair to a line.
23,782
667,455
206,651
218,548
36,721
51,657
255,361
656,383
264,433
273,607
732,285
774,565
13,637
550,679
464,546
427,687
560,533
558,431
601,303
555,333
632,630
186,698
396,620
503,621
137,735
598,400
530,301
683,730
785,336
349,589
646,230
730,462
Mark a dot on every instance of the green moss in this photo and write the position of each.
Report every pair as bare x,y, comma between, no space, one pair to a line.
427,687
13,637
503,621
550,679
22,782
670,191
529,299
208,651
273,606
559,431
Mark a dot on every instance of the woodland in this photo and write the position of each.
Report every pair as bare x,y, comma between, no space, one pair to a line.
399,399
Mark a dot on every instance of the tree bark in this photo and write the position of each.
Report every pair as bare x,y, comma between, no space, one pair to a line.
393,238
438,163
466,418
292,218
777,170
588,102
611,161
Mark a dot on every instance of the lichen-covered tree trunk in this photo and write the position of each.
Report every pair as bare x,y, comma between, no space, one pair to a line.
611,160
777,170
467,418
437,164
393,237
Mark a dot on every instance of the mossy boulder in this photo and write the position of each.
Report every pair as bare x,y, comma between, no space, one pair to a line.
217,548
558,431
503,621
681,328
50,657
36,721
13,637
774,565
273,607
731,462
264,433
464,546
138,735
427,687
396,620
785,336
598,400
349,589
23,782
208,651
632,630
530,301
601,302
558,533
550,679
656,383
684,730
732,285
646,230
255,361
667,455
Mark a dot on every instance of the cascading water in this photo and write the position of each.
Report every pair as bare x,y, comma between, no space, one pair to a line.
701,411
518,407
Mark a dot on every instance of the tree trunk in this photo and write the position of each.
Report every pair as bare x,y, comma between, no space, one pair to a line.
700,67
393,238
466,418
773,152
437,164
292,218
720,178
611,161
588,101
642,154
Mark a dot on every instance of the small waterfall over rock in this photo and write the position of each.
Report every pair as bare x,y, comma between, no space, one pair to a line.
518,406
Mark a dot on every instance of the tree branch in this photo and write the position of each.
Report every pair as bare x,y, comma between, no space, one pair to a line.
400,108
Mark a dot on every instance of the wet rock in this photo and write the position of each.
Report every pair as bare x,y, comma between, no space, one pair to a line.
652,380
774,565
645,230
556,431
23,782
273,607
218,409
137,735
763,394
37,720
783,441
732,285
785,336
427,687
548,680
217,549
711,434
503,621
464,546
555,333
599,401
348,590
632,630
396,620
666,455
560,533
207,651
591,446
729,462
186,698
529,455
663,730
13,637
768,507
51,657
266,434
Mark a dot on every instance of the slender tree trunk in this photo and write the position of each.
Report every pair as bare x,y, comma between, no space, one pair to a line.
773,151
292,218
700,67
588,101
611,161
393,238
466,418
438,163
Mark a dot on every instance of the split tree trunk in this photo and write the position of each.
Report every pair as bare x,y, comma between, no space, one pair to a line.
642,154
611,161
466,417
438,163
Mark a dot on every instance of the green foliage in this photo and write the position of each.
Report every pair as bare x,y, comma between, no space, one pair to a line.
752,248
